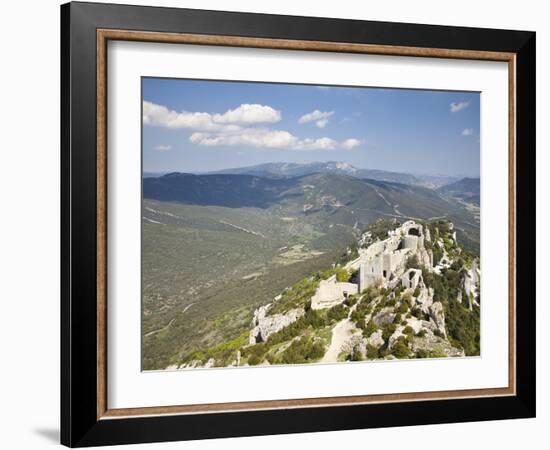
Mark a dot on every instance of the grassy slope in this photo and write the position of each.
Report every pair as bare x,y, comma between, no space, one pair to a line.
205,278
205,268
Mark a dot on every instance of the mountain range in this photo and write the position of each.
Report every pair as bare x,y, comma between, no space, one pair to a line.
289,170
299,194
284,169
319,198
258,235
466,189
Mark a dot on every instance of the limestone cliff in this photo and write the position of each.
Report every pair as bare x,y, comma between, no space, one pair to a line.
412,292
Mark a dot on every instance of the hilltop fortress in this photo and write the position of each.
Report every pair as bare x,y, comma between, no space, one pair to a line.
376,306
390,263
381,264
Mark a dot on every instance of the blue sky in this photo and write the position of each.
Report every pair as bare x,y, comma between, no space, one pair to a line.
199,126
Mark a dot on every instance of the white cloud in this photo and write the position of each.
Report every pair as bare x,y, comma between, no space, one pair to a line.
323,143
321,123
161,116
162,148
256,137
323,88
467,131
231,120
458,106
249,114
266,138
320,118
351,143
235,128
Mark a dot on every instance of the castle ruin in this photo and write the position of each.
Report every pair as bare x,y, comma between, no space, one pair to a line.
383,263
331,292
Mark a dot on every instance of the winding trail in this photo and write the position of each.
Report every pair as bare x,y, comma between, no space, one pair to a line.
151,333
169,324
245,230
187,307
152,221
341,333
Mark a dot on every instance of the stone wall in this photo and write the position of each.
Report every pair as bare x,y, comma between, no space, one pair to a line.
385,260
267,325
412,279
331,292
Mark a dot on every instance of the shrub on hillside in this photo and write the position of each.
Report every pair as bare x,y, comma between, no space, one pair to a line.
342,275
303,350
403,308
254,360
372,352
400,349
337,313
369,329
388,330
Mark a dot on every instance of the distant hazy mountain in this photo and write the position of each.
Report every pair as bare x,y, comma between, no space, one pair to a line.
220,245
466,189
281,169
435,181
153,174
234,191
327,197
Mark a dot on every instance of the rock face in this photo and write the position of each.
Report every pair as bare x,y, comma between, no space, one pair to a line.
375,339
437,314
331,292
445,262
425,299
384,317
415,324
436,346
264,325
260,313
400,301
471,285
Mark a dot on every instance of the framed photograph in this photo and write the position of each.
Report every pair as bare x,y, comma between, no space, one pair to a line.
276,224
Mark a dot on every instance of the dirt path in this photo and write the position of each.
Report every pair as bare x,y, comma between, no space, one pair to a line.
245,230
164,328
151,333
394,207
340,335
187,307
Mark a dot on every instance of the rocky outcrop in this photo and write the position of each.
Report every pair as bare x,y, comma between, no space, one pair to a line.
437,315
471,284
425,299
375,339
260,313
395,336
427,235
398,300
445,261
435,346
385,316
267,325
415,324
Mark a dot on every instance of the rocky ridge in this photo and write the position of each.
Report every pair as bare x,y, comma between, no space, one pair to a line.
417,297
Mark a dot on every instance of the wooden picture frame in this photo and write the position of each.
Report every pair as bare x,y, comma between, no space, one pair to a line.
86,418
